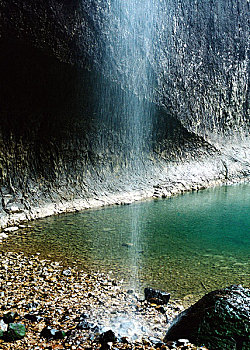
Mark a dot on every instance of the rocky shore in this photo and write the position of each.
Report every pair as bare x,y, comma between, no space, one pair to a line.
172,180
61,307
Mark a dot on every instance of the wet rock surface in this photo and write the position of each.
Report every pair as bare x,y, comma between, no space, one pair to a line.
15,331
156,296
49,163
221,320
9,317
52,310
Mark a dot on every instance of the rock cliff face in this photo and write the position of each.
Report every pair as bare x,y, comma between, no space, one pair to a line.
66,93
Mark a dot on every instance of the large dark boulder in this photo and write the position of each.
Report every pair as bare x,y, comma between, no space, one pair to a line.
220,320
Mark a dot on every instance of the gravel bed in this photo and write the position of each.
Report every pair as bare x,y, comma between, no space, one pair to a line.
65,308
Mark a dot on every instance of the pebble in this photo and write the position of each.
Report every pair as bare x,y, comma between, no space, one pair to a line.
16,331
9,317
11,229
3,326
66,272
183,342
3,235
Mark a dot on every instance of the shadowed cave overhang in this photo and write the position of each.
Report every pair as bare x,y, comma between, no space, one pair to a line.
52,70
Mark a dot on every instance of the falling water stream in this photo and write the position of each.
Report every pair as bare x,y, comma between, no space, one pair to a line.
131,29
123,110
130,32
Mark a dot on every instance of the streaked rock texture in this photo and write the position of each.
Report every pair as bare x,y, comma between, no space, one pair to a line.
220,320
67,140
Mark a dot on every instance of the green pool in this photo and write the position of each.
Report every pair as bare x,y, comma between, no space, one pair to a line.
186,244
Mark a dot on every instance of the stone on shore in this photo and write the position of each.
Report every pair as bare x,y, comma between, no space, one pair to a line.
50,333
9,317
156,296
3,328
220,320
107,337
16,331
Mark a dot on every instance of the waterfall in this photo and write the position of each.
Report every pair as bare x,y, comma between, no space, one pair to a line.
130,35
189,57
124,109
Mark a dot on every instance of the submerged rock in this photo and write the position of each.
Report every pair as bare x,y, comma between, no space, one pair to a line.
67,272
11,229
220,320
156,296
127,245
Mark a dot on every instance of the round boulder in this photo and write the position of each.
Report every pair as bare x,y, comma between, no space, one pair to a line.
220,320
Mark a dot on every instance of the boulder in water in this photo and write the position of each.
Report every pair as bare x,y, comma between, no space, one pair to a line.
220,320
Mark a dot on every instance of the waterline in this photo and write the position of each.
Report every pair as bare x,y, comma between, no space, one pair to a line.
182,244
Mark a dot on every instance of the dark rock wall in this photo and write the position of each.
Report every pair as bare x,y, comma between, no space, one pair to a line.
206,78
200,54
52,64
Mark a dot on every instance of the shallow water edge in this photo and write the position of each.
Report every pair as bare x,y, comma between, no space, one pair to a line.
187,244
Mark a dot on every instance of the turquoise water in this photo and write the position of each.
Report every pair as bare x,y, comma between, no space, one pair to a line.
186,244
